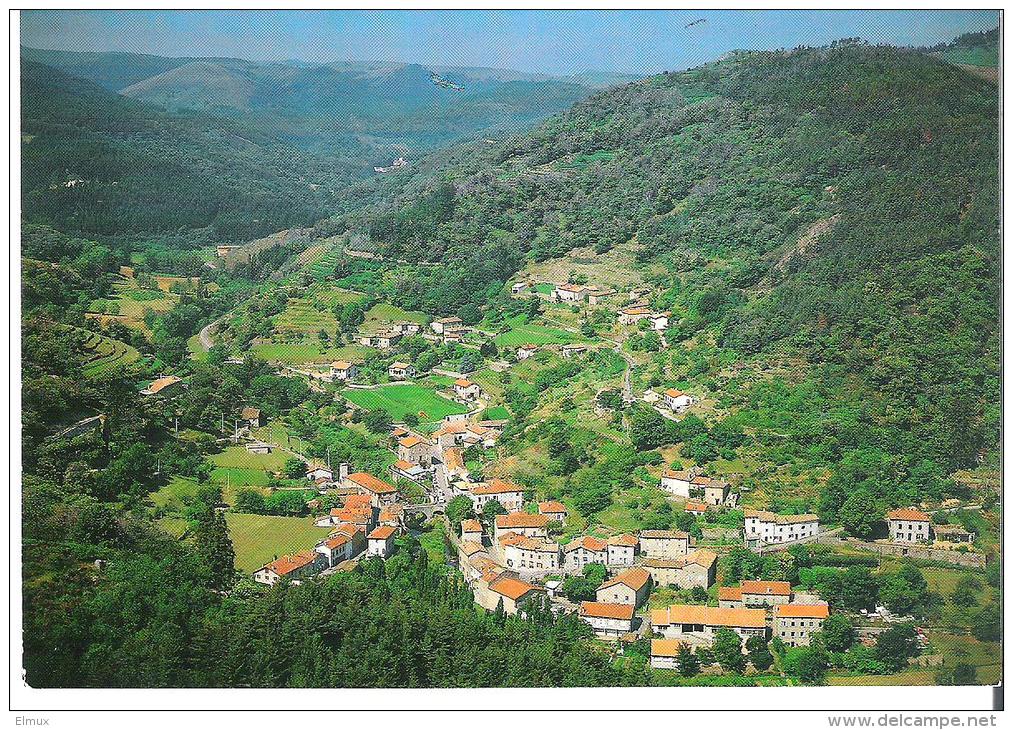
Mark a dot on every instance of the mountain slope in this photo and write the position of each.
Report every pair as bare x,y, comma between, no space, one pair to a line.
828,214
97,162
296,134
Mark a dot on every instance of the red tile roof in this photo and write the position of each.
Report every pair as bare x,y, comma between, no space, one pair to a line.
588,543
767,587
620,611
383,532
497,486
371,483
709,616
520,520
802,610
512,588
908,513
635,578
551,507
729,593
288,563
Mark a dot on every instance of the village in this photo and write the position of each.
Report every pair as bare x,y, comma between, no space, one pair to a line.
509,547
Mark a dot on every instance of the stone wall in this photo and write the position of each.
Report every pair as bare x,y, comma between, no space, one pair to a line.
917,552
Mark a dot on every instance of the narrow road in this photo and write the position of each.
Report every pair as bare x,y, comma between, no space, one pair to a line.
207,331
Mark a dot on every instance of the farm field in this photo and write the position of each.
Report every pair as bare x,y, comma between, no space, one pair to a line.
523,333
103,353
259,539
129,302
303,353
398,400
306,316
383,314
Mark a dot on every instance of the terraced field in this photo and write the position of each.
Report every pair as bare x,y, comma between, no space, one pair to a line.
303,315
103,353
129,302
303,353
398,400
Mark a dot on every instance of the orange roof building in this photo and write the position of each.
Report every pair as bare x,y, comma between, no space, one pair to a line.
802,610
612,611
909,514
708,619
587,542
551,508
384,532
521,520
635,578
371,484
668,648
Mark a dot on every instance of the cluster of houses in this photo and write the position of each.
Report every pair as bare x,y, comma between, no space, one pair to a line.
440,454
367,522
752,608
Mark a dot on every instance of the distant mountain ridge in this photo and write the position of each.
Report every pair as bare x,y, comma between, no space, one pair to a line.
314,127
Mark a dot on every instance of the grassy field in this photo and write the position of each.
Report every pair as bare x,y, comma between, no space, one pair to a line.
239,457
398,400
383,314
496,413
305,316
523,333
129,302
302,353
259,539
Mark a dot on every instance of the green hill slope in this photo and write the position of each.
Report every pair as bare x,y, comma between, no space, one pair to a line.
830,212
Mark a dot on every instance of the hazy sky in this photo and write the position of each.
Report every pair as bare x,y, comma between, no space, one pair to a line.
544,40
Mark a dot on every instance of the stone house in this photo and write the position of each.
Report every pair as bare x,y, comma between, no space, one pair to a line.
631,587
471,530
795,623
508,494
621,550
664,543
585,550
698,568
415,450
521,523
446,324
526,351
570,293
908,525
530,553
493,588
381,493
755,594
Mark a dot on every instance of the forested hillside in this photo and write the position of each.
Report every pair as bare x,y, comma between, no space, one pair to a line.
243,147
834,210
